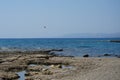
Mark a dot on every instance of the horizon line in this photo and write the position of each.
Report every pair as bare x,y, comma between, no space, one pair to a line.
51,37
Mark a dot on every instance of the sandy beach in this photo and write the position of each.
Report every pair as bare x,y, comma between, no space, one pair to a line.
43,66
104,69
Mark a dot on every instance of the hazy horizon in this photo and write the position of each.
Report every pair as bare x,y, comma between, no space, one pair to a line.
78,35
59,18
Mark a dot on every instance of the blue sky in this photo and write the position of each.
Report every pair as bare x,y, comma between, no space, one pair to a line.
27,18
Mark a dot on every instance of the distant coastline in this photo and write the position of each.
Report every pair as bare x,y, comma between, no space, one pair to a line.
93,35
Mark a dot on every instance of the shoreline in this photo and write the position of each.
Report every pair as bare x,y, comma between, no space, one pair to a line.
40,65
55,52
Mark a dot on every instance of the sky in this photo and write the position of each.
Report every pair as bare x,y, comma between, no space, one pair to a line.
27,18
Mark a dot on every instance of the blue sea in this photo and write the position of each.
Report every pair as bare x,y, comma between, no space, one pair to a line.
71,46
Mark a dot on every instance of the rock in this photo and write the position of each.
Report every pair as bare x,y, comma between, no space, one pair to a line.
8,76
117,41
53,54
32,73
52,66
118,56
1,61
42,56
86,55
35,68
29,79
59,66
57,50
56,66
47,72
107,54
98,56
12,67
27,74
44,69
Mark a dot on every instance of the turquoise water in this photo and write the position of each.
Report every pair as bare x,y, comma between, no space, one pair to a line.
71,46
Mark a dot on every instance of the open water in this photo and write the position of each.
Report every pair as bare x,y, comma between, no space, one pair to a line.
71,46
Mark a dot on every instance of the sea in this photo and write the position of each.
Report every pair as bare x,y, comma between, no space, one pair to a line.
71,46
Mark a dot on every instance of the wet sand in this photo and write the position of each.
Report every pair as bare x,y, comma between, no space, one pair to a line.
40,65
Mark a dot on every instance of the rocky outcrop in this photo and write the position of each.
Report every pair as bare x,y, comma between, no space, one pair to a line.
8,76
35,68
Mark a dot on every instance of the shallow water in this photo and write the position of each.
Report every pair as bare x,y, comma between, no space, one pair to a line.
32,64
67,67
22,75
71,46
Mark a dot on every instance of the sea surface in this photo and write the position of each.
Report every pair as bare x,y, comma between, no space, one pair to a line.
71,46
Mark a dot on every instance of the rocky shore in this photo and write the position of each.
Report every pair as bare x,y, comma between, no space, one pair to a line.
41,65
